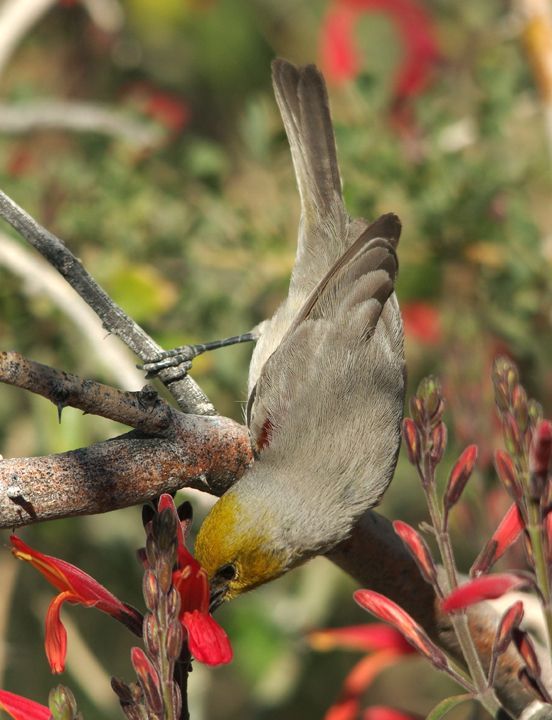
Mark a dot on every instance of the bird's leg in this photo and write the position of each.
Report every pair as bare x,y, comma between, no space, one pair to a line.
182,357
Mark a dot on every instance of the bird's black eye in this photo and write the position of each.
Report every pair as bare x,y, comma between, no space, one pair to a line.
227,572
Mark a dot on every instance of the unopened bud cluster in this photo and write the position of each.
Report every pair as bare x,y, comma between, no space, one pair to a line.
62,704
156,695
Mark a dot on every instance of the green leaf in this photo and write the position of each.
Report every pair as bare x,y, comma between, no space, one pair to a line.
446,705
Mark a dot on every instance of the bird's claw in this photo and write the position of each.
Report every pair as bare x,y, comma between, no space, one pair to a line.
180,358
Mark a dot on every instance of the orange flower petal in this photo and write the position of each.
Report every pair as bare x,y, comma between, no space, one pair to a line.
56,636
375,636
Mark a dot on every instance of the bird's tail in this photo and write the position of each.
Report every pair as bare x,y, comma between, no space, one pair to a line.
303,101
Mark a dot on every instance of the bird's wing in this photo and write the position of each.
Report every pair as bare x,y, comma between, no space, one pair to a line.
349,298
324,228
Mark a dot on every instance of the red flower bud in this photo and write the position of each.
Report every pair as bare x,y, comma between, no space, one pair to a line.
148,679
418,549
541,449
387,610
506,471
438,442
505,535
512,434
459,476
519,405
412,440
526,649
508,623
485,587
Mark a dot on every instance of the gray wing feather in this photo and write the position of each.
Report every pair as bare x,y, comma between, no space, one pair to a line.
346,304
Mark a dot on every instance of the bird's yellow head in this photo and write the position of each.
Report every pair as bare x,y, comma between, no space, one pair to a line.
238,549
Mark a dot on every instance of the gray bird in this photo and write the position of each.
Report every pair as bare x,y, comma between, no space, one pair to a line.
326,381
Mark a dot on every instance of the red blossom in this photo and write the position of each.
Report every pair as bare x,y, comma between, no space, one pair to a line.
340,57
19,708
367,638
77,588
510,528
166,108
207,641
359,679
418,549
485,587
422,322
387,610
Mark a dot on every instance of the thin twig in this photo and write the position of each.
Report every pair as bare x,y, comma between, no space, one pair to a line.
39,278
143,410
81,117
186,392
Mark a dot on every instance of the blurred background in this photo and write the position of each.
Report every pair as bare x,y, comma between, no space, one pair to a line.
145,134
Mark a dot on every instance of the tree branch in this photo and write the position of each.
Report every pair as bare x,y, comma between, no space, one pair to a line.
204,452
186,392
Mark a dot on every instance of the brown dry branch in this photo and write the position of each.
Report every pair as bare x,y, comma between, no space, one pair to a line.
168,450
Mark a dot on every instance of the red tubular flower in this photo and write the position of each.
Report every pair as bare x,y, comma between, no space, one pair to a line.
510,528
387,642
339,54
76,587
19,708
422,322
367,638
207,641
387,610
485,587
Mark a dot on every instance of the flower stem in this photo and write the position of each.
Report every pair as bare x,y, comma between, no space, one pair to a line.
534,529
484,693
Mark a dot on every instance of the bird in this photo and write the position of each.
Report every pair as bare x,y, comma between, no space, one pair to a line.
327,376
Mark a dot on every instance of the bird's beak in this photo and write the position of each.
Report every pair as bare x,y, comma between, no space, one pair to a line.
217,596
